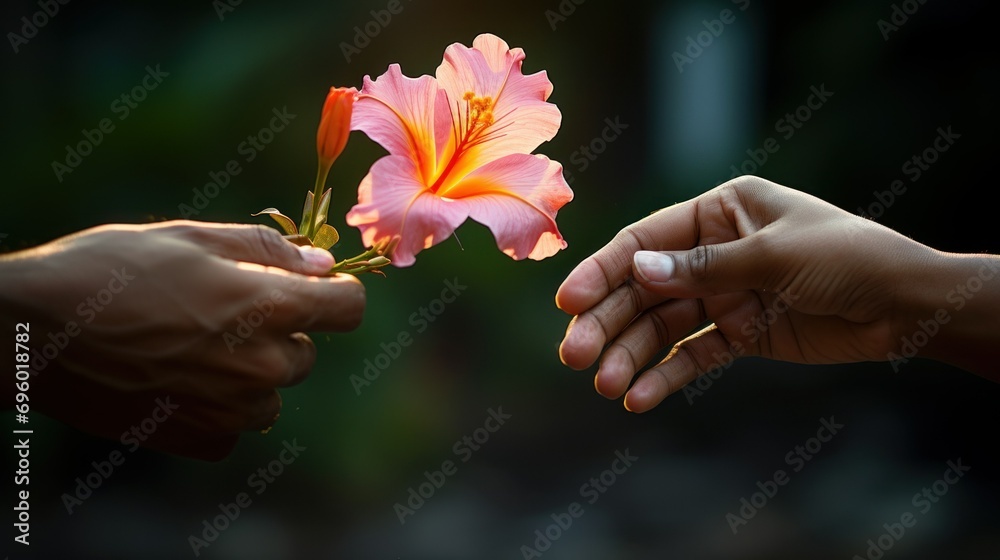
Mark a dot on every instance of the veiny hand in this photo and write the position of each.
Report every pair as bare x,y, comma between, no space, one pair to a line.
772,272
201,321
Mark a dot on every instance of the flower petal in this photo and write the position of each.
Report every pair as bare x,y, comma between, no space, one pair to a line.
398,113
491,68
518,197
394,204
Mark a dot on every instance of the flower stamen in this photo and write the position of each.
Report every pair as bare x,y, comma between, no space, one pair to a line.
479,111
469,129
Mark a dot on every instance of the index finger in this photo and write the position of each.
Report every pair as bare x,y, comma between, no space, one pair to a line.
335,303
310,303
672,228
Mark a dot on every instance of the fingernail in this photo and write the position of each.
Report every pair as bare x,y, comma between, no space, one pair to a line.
320,259
653,267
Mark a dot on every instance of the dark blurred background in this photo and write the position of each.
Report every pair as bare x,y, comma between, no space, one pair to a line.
496,345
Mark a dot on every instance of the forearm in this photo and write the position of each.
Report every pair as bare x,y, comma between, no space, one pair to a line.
955,316
13,321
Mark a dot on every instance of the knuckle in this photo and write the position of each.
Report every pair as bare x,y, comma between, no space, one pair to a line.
633,297
694,357
626,351
265,235
764,243
700,262
624,245
622,242
666,383
190,231
660,328
752,193
633,237
601,321
271,243
745,183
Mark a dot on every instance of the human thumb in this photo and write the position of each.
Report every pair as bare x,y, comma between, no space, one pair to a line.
703,271
265,246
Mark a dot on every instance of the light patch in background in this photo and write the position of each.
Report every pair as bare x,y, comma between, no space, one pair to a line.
706,115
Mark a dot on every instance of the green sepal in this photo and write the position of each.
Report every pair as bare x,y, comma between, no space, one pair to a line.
324,209
307,209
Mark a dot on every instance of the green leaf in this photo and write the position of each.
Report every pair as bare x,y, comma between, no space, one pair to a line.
307,209
326,237
324,209
284,221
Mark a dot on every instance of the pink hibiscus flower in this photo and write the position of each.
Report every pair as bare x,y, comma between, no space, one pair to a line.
460,147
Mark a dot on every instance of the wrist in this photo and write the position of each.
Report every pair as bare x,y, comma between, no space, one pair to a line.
951,312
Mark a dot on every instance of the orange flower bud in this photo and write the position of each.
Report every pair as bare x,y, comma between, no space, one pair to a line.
335,124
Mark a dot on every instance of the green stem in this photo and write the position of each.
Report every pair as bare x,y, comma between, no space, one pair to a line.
362,257
369,261
358,268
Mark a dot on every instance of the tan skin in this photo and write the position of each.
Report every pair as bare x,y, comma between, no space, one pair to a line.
829,286
164,334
